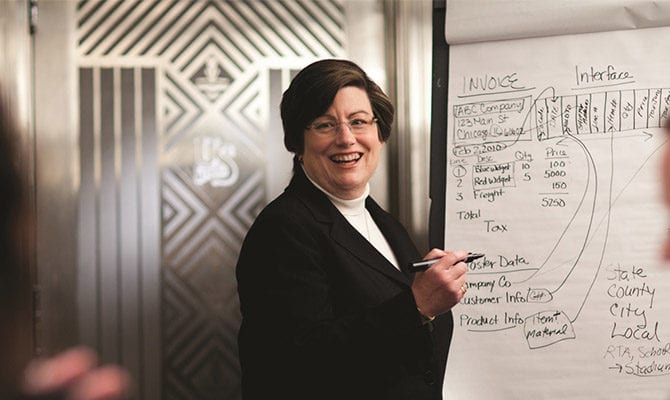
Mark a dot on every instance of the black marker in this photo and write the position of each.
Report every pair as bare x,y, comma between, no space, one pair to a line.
425,264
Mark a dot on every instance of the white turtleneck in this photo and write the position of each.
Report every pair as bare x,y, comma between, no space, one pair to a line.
357,215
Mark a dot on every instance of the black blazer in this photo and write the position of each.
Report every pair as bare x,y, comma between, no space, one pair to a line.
325,315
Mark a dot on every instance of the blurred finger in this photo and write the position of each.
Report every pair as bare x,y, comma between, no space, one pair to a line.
50,375
104,383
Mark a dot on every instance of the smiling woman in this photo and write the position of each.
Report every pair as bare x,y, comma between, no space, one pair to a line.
328,312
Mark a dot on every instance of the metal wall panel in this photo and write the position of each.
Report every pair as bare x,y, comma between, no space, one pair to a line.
119,220
56,175
410,148
165,202
195,88
16,314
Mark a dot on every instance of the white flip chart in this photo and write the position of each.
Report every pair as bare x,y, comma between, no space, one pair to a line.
553,172
470,21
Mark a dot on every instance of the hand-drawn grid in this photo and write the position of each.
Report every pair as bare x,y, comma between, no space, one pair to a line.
489,126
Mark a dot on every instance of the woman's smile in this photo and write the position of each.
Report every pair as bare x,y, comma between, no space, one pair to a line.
348,158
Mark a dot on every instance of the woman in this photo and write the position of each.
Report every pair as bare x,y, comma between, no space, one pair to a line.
328,310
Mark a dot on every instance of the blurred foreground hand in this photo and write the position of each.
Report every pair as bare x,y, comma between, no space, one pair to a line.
75,375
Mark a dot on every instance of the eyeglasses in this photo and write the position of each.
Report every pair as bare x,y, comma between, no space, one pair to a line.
356,125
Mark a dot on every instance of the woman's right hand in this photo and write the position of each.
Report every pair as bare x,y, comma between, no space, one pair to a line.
442,285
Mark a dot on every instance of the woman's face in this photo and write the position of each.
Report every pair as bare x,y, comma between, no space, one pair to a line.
342,162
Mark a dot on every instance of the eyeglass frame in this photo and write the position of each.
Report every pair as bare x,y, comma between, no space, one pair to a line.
337,123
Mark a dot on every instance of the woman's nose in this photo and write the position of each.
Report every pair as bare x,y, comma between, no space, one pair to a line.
345,135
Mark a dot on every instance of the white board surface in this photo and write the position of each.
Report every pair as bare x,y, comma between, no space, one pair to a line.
469,21
552,172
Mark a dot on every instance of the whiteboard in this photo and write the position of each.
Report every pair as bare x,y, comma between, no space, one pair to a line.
552,171
469,21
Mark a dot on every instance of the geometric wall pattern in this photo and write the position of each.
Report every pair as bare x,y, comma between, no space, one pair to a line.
215,63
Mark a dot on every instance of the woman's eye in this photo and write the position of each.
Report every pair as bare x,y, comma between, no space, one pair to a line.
357,122
324,125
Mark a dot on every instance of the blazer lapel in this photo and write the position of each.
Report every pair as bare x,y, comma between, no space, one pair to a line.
343,233
398,238
350,239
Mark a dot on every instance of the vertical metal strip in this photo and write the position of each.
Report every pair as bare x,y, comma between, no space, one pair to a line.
96,185
137,87
128,227
151,274
118,153
275,178
86,280
56,165
108,228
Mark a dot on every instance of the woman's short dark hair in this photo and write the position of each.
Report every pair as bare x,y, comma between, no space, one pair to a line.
312,91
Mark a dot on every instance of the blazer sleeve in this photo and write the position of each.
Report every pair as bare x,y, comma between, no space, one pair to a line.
285,294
